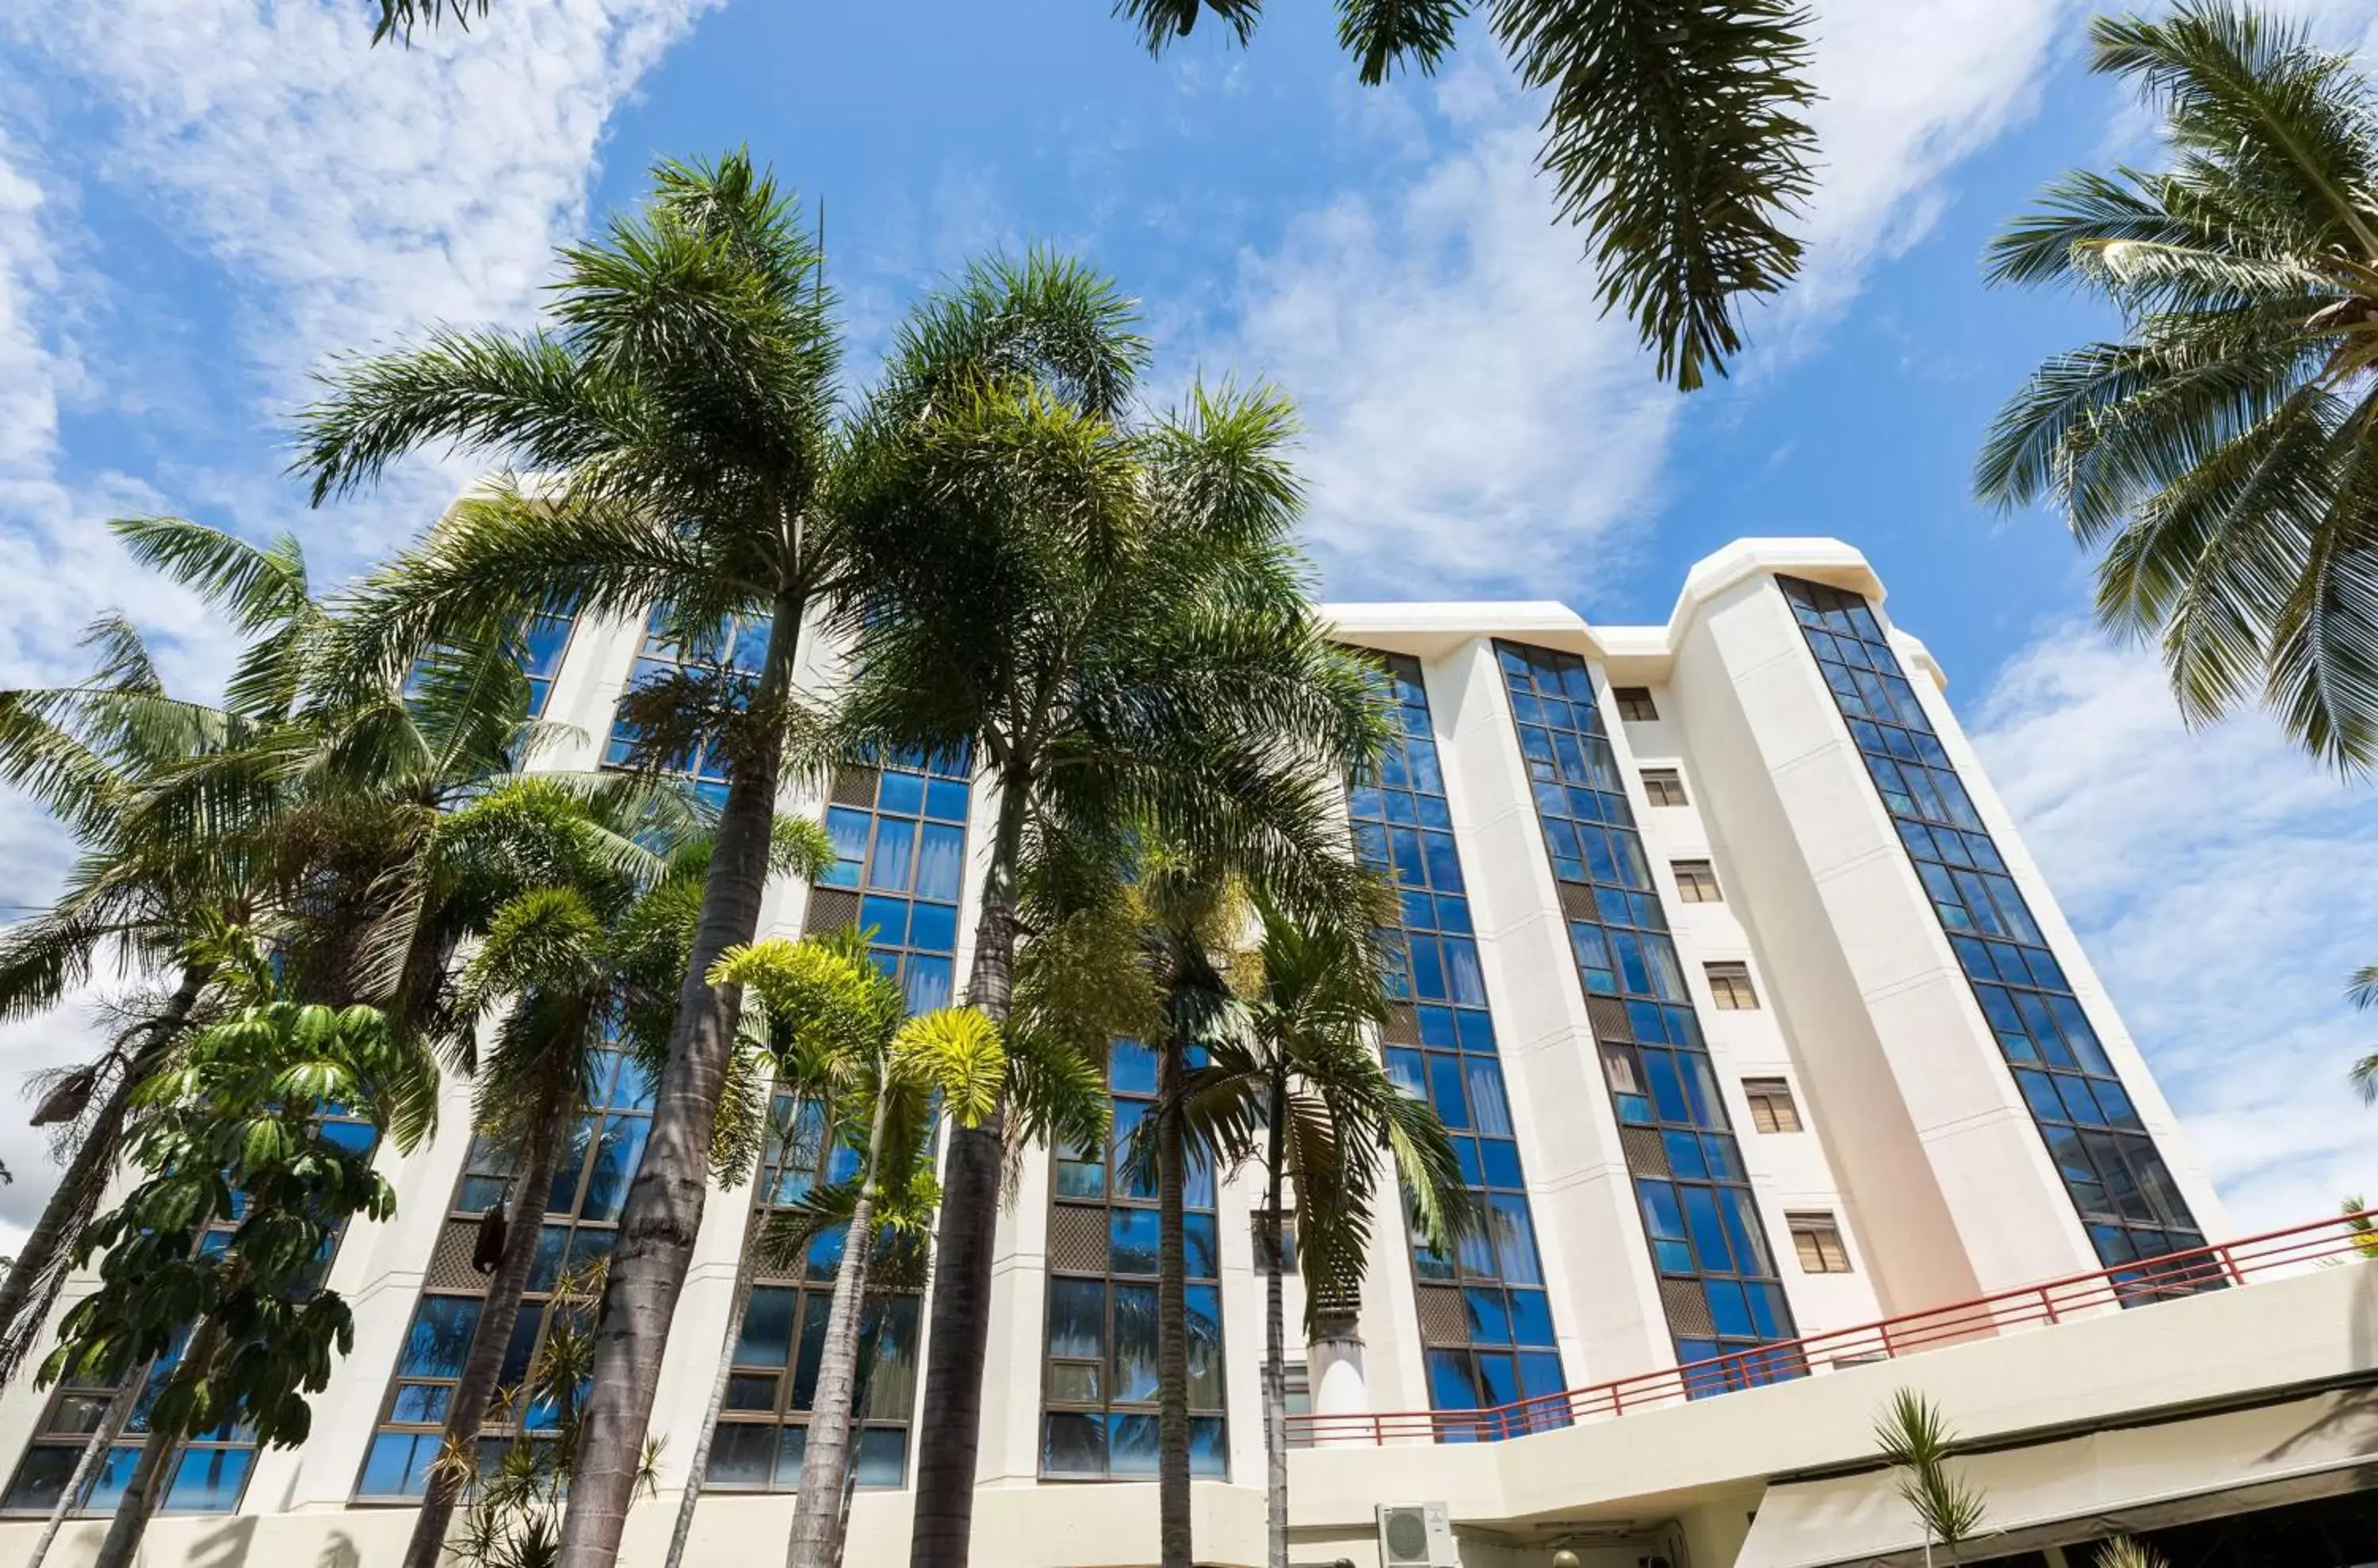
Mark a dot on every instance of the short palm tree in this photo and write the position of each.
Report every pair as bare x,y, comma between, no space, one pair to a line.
890,1078
147,893
1299,1088
680,419
212,1261
579,941
1672,133
1917,1442
2222,453
1111,619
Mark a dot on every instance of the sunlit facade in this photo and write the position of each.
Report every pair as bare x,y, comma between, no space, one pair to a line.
1751,1017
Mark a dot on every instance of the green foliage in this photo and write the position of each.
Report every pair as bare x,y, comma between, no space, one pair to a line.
1915,1439
231,1134
2124,1552
2222,454
397,17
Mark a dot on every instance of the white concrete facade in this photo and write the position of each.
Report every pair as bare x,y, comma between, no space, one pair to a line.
1916,1141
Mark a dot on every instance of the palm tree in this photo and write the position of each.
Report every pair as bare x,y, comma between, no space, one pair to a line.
1112,619
1673,133
146,894
1300,1088
890,1078
2222,453
680,419
1917,1442
585,947
211,1264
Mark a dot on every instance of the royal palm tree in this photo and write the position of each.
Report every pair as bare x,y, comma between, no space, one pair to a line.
680,420
1111,619
226,1289
2221,454
1672,133
1299,1090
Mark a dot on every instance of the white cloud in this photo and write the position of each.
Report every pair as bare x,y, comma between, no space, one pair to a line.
2216,877
1476,424
330,198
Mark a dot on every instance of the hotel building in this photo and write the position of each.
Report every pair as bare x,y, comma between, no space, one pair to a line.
1778,1077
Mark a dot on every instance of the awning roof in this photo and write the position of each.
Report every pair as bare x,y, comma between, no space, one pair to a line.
2082,1486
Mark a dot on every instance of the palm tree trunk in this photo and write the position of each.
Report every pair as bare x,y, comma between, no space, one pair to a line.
1275,1386
859,1394
111,1424
151,1476
817,1518
1172,1543
958,1339
493,1336
663,1214
33,1279
690,1499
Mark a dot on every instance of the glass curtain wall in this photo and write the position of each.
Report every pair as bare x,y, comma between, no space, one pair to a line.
2118,1180
1487,1325
542,646
1718,1281
582,1212
737,645
1099,1377
899,832
213,1471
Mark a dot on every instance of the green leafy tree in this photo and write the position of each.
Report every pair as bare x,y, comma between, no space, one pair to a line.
1112,619
1298,1090
2221,454
1672,134
679,415
1917,1442
230,1133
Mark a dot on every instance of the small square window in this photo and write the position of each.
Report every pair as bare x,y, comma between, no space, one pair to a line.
1818,1240
1771,1106
1696,883
1635,702
1730,986
1665,785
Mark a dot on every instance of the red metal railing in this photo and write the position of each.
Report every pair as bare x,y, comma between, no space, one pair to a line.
2225,1265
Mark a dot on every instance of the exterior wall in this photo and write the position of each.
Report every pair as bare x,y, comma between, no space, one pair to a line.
1915,1139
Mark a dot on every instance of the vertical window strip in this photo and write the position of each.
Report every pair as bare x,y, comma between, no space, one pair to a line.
1485,1321
2117,1178
211,1473
1718,1277
544,644
604,1146
1099,1372
737,645
900,831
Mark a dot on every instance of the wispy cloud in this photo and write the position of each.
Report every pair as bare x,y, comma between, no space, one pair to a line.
320,196
2216,877
1476,424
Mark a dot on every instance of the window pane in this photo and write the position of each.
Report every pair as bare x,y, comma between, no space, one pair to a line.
440,1336
767,1334
1077,1310
1074,1445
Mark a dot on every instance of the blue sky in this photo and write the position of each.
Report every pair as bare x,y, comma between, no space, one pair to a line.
199,204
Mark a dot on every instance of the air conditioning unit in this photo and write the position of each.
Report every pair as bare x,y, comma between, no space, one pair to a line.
1416,1535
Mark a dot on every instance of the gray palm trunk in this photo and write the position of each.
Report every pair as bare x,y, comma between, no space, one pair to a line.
690,1499
1274,1378
1172,1530
154,1472
825,1455
485,1363
111,1424
31,1286
663,1213
958,1338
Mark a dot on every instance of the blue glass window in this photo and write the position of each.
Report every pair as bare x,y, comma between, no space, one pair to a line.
2113,1172
1689,1180
1442,1048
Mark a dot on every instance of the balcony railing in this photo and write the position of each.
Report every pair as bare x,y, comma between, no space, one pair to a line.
2224,1265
